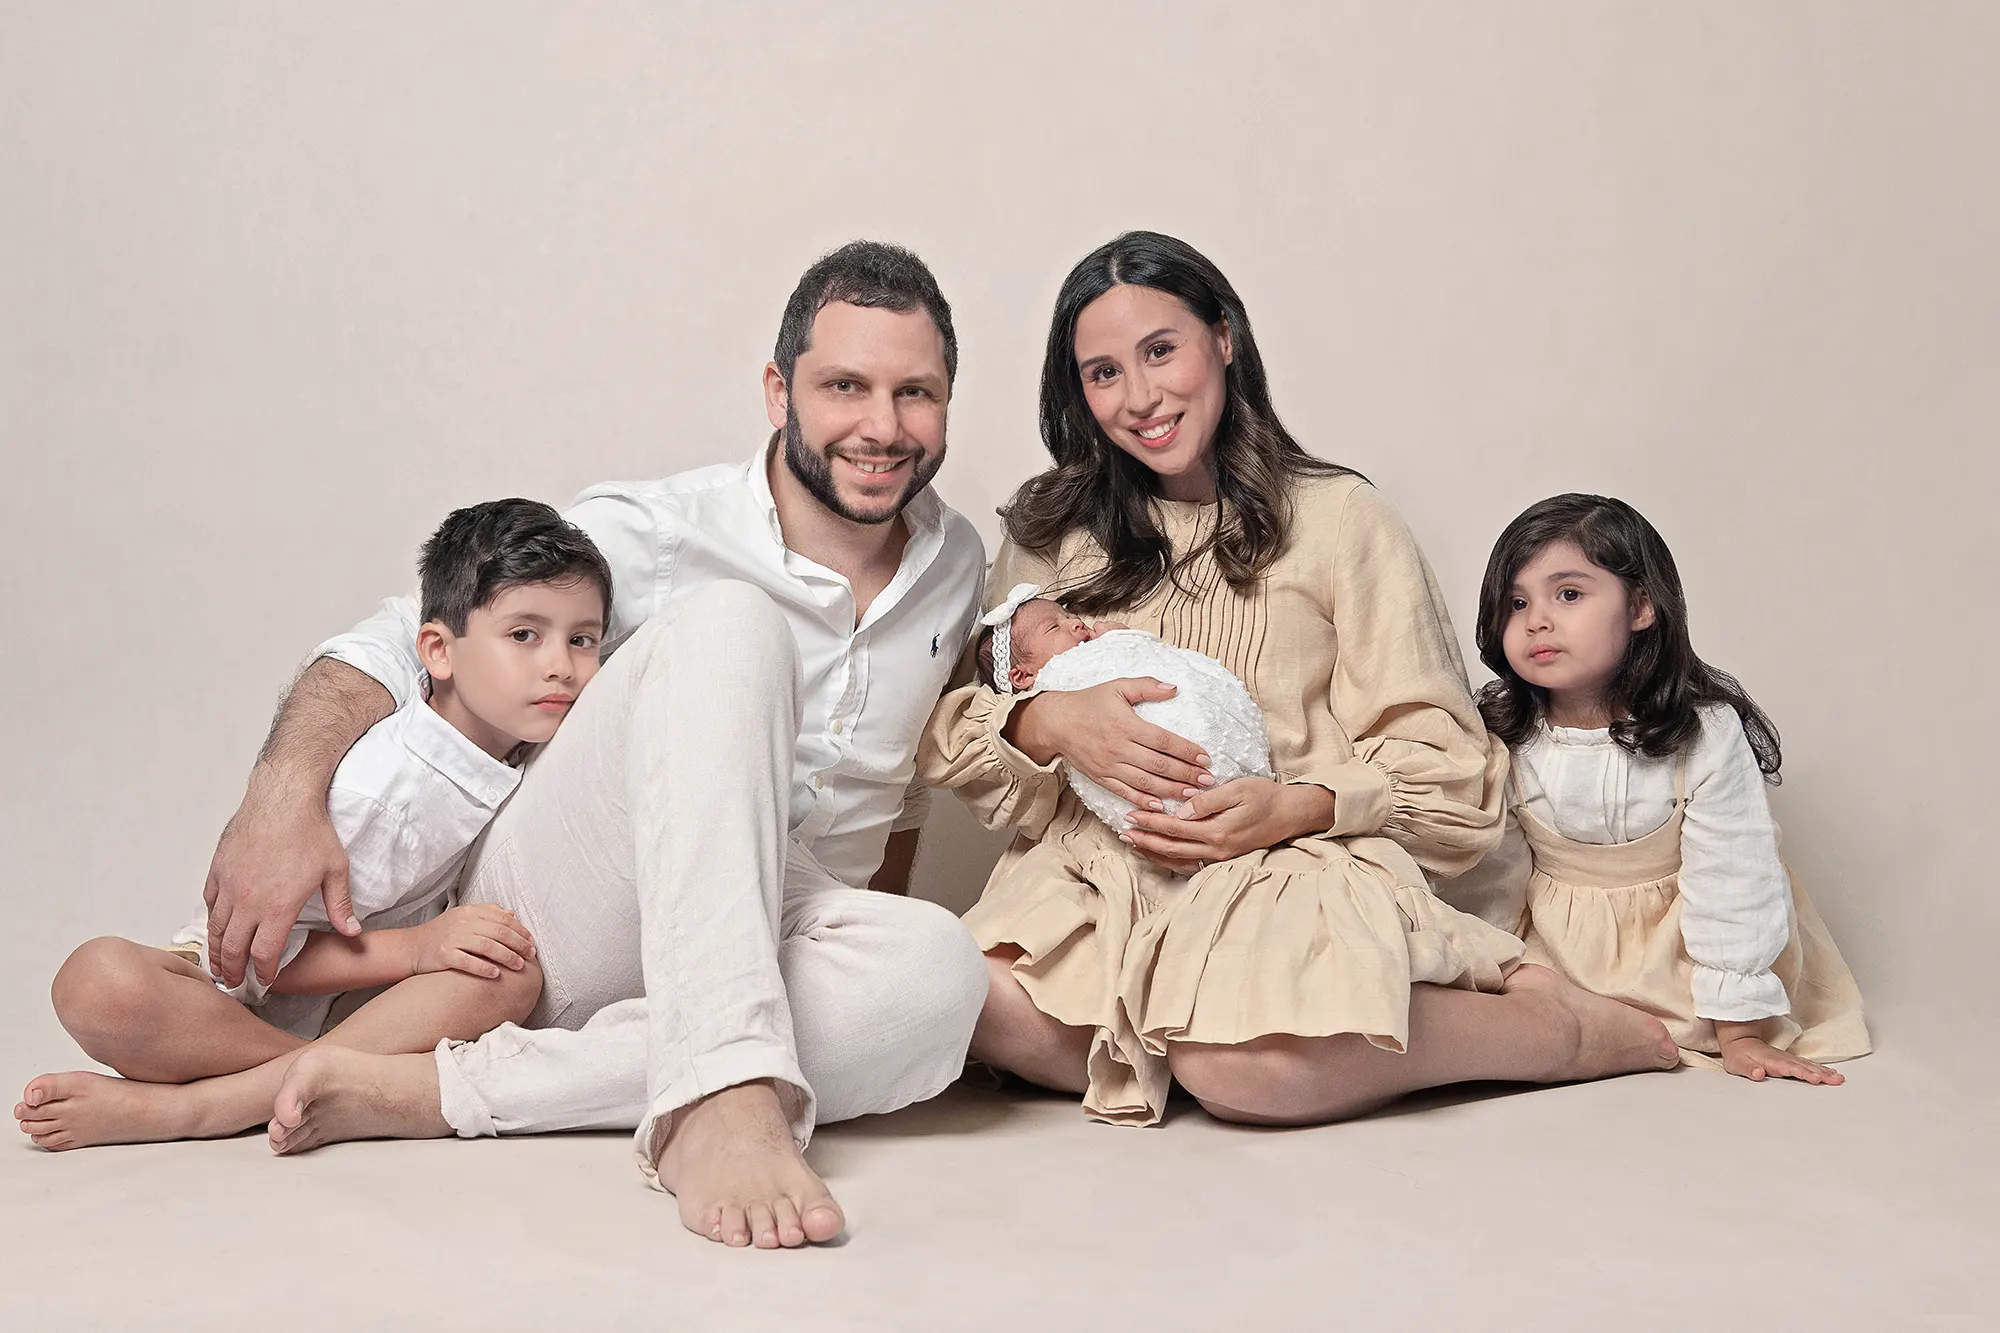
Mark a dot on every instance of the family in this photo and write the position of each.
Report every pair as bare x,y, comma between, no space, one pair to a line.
612,826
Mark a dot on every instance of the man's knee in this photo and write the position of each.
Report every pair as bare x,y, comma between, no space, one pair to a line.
730,619
952,979
103,989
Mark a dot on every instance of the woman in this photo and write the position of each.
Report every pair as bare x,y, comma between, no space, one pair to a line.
1278,952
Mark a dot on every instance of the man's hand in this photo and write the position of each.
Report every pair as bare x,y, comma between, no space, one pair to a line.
478,939
281,849
1246,815
272,858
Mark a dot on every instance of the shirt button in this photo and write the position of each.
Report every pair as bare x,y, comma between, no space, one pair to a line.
817,784
836,728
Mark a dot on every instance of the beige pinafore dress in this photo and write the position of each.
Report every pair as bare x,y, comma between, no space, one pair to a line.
1608,917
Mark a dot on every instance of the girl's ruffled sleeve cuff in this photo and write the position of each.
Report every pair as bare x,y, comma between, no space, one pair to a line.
1738,997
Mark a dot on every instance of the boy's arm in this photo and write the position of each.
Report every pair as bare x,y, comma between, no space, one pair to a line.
329,964
478,939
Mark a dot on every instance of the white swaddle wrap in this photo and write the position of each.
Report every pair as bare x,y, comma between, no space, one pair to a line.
1211,708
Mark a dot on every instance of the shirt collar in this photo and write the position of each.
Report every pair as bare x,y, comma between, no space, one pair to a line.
445,748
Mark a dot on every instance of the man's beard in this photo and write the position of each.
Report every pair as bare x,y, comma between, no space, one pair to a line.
814,471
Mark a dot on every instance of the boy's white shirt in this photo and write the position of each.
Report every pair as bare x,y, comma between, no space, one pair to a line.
869,688
407,803
1735,894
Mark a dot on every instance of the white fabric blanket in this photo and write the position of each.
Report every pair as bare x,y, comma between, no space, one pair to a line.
1212,708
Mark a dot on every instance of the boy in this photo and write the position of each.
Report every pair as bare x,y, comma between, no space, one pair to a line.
514,602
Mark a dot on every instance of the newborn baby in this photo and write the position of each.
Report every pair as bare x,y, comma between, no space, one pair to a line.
1030,642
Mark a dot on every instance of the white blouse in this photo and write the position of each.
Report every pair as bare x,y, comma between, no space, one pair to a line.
1735,894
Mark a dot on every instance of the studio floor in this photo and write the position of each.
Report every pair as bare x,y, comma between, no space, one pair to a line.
1664,1201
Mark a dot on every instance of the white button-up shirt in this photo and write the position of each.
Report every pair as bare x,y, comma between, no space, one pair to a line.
869,686
407,802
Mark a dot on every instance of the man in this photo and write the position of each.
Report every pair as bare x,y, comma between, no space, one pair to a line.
691,851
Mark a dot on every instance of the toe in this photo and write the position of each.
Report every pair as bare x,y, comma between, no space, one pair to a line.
822,1219
790,1232
763,1226
735,1229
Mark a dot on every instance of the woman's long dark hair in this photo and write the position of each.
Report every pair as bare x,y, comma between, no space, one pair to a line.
1661,683
1100,488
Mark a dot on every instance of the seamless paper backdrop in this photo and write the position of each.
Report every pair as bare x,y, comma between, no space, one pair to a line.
281,284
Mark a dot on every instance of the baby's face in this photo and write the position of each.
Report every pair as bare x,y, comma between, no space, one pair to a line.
1041,629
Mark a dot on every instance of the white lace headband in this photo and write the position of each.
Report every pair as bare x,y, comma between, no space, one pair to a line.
1001,620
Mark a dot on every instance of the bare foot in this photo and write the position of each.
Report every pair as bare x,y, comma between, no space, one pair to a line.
331,1094
80,1110
737,1174
1601,1037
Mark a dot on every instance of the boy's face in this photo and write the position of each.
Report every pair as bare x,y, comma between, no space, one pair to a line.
1041,630
523,658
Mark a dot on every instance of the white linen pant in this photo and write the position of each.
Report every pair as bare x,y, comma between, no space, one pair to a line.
686,943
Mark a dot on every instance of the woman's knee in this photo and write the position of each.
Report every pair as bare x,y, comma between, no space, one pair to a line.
1272,1080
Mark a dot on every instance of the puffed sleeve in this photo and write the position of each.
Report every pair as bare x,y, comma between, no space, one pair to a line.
1424,772
1735,895
963,749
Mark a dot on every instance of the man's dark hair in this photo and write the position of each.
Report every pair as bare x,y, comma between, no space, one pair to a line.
481,551
864,273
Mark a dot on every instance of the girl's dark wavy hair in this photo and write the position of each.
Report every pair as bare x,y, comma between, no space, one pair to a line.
1661,682
1100,488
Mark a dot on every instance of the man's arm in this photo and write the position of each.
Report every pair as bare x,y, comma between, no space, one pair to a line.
280,849
898,856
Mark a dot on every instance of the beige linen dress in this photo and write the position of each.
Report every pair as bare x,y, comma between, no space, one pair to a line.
1608,917
1346,646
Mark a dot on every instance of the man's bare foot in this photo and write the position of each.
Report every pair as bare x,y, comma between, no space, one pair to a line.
1601,1037
331,1094
737,1174
80,1110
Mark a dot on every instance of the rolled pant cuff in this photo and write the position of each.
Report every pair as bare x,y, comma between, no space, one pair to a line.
711,1074
457,1102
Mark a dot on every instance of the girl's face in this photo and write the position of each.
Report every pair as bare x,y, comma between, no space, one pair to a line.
1155,378
1041,630
1567,629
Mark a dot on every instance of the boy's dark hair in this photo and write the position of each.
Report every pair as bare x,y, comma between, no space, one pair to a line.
864,273
1661,682
480,551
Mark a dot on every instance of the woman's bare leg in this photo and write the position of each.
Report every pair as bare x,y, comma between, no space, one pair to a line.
1539,1029
1014,1035
79,1110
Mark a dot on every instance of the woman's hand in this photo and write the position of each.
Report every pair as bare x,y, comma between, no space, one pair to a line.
1101,737
1246,815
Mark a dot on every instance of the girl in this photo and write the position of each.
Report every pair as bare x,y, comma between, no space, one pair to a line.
1277,949
1639,775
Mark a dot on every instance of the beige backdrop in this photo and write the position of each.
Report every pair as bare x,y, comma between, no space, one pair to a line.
280,284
